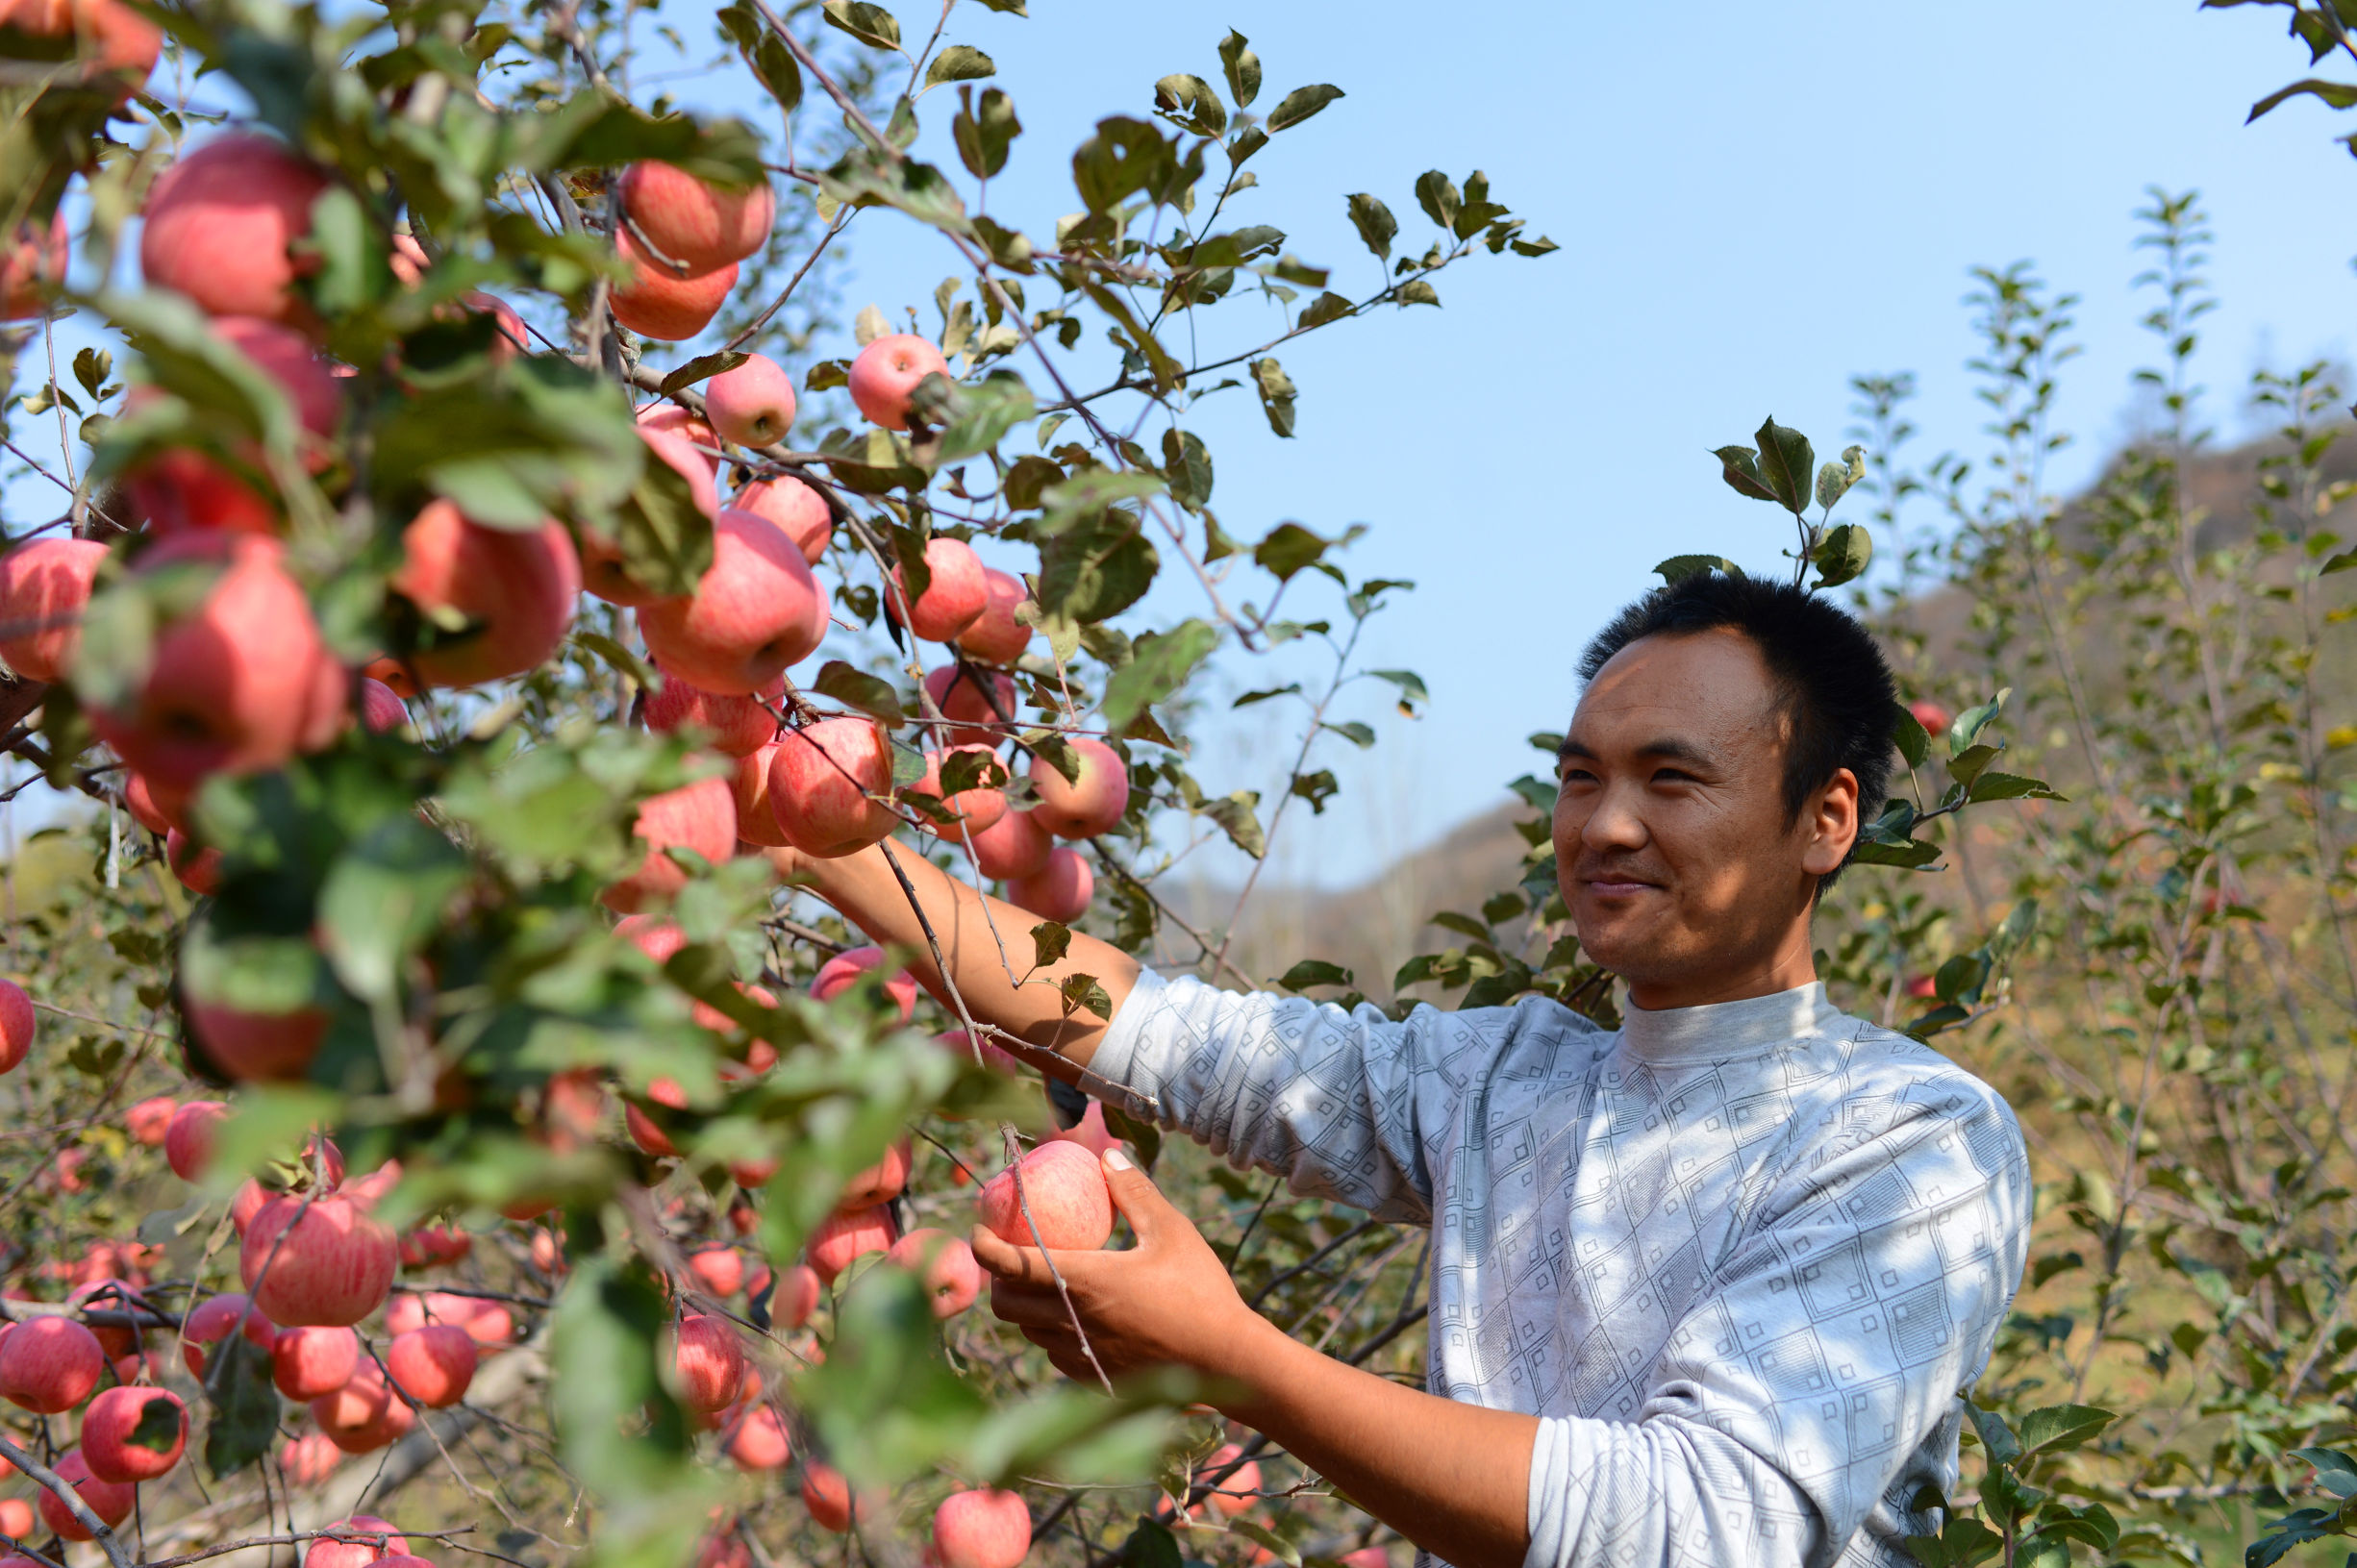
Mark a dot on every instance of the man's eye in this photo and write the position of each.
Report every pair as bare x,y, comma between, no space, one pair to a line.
1578,775
1672,776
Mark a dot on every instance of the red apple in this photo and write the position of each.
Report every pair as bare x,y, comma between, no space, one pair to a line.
240,683
644,1132
44,586
1063,1188
515,589
110,1500
739,724
799,511
827,785
221,224
1090,1132
371,1540
1013,847
842,1237
757,1440
195,867
309,383
719,1270
50,1364
755,611
828,1497
16,1519
308,1460
112,42
432,1365
32,263
255,1046
996,636
971,810
968,707
980,1528
248,1202
946,1266
603,572
797,1296
1059,891
308,1362
879,1183
757,820
365,1415
487,1322
1236,1493
692,222
381,708
1933,716
696,433
653,303
158,813
1087,806
954,598
335,1267
149,1122
752,404
112,1420
887,371
18,1025
701,816
707,1362
836,974
215,1321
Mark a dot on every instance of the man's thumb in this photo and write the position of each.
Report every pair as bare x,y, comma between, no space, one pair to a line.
1133,1192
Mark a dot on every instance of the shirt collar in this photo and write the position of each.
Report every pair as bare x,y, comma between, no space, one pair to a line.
1726,1029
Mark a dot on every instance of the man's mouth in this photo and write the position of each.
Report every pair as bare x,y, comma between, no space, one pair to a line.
1610,885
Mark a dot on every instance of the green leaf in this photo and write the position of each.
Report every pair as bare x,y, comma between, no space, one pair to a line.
1311,972
2335,1471
980,413
1186,468
2340,562
1740,467
383,898
959,62
2058,1428
1436,193
1235,816
1969,724
1911,855
866,177
1251,697
1300,103
773,64
1316,789
1160,664
857,690
1988,787
871,24
2339,94
1325,308
1374,222
1361,735
244,1406
1083,994
1678,568
2004,1448
1834,480
1050,941
1068,503
1417,291
1289,547
702,367
1097,569
1411,688
1787,465
1191,101
1123,158
1907,730
1243,69
1277,395
1841,555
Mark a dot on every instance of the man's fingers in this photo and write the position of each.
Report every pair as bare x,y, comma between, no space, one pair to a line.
999,1255
1026,1306
1134,1194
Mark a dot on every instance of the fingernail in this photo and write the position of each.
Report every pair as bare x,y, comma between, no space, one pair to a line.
1117,1160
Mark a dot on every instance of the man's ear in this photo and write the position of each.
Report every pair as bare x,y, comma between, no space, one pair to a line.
1832,823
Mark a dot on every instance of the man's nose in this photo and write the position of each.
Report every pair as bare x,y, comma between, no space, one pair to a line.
1615,823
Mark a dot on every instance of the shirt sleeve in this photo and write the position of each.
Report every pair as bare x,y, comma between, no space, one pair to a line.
1796,1400
1344,1106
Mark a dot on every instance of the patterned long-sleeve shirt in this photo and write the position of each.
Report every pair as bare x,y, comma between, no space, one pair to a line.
1739,1260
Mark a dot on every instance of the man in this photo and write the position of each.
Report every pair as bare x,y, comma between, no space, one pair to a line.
1705,1289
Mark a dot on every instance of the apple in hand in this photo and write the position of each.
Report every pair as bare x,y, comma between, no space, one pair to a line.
887,371
1063,1188
752,404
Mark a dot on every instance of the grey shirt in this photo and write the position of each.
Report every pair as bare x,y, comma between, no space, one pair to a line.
1739,1259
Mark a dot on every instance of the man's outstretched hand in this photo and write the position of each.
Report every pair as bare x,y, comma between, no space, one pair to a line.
1165,1301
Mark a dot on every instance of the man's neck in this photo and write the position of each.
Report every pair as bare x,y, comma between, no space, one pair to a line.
1790,966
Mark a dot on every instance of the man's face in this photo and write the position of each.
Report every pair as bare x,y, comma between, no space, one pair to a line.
1684,873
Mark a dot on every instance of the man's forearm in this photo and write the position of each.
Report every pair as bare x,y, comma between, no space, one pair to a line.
1452,1478
864,887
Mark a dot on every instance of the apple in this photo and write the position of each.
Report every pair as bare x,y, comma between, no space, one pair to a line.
286,355
197,867
364,1415
977,715
432,1244
644,1132
308,1460
755,818
602,569
1087,806
842,1237
692,222
181,491
50,1364
798,1289
1059,891
707,1362
114,1444
111,40
737,723
879,1183
487,1322
827,785
1013,847
44,586
215,1321
836,974
239,683
30,264
946,1266
757,1440
1922,988
18,1024
390,673
657,938
1063,1188
111,1501
254,1047
150,1122
248,1202
409,264
679,422
1090,1132
514,588
372,1539
996,636
980,1528
701,816
1237,1491
434,1364
887,371
334,1268
16,1523
755,611
971,810
828,1497
799,511
1933,716
719,1270
308,1362
724,1549
221,224
654,303
954,597
159,812
381,708
752,404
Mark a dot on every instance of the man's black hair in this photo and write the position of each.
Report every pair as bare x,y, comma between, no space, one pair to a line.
1836,690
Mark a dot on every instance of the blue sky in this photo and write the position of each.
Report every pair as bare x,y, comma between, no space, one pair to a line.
1753,203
